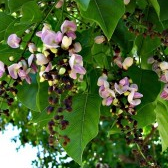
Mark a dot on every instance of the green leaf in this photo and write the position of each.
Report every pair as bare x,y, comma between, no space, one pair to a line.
99,55
146,115
162,119
123,37
41,119
83,4
83,124
147,82
5,21
6,52
105,13
14,28
27,94
156,6
31,13
146,45
35,95
42,95
15,5
163,9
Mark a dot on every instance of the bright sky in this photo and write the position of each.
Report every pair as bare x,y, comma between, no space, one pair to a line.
9,157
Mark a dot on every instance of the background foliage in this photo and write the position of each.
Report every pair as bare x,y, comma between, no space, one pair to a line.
137,30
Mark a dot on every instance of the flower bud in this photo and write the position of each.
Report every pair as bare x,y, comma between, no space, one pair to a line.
59,4
99,39
32,47
62,70
66,42
127,63
163,65
126,2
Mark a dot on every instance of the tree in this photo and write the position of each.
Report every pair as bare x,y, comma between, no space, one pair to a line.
88,77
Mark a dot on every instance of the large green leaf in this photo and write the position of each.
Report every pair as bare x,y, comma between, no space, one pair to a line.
162,119
15,28
14,5
156,6
148,112
83,3
6,52
105,13
31,13
163,9
27,94
34,95
83,124
147,82
5,21
146,45
123,37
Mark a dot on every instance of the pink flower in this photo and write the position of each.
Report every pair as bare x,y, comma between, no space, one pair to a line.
13,41
13,70
52,39
76,48
123,86
68,26
59,4
107,101
24,75
118,61
41,59
76,64
2,68
164,94
103,81
134,98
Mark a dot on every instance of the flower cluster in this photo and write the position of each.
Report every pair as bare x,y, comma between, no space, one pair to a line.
161,68
110,92
54,42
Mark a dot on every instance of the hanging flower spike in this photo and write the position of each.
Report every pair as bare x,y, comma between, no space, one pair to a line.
41,59
123,86
76,64
2,68
13,70
164,94
13,41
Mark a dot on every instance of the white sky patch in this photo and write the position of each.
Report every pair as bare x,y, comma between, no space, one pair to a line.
9,157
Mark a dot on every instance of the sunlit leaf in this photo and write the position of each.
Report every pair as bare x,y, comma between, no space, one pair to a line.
105,13
83,124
